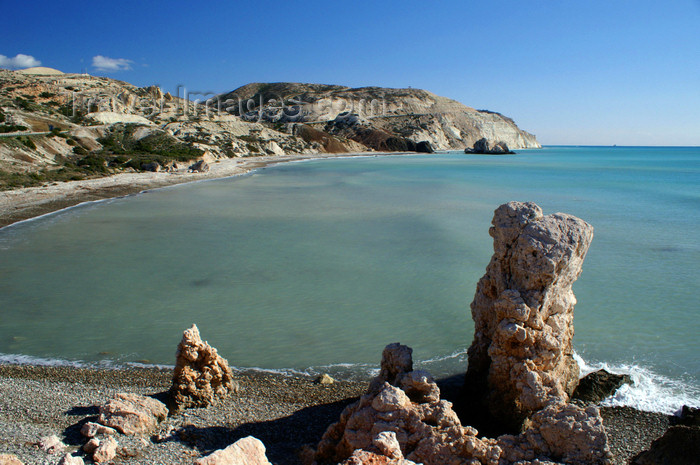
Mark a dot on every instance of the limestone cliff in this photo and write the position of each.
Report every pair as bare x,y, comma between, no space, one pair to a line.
56,126
415,114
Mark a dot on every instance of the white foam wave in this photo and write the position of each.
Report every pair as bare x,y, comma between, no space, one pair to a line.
650,392
150,365
459,355
20,359
106,364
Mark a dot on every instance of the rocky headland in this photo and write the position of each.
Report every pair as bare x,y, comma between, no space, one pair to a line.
518,403
59,127
72,138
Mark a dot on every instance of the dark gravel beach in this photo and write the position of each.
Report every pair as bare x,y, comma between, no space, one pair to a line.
284,412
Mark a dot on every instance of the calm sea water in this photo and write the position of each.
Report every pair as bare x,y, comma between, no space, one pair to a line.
316,266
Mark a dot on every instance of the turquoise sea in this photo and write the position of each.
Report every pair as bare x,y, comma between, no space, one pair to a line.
316,266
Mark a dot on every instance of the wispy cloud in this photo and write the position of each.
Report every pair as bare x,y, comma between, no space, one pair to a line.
103,63
18,62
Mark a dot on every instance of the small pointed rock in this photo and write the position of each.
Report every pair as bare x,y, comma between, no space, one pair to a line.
201,375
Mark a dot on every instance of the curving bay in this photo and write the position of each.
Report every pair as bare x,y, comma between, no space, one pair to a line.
304,265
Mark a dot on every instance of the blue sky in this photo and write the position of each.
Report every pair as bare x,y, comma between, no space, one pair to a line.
591,72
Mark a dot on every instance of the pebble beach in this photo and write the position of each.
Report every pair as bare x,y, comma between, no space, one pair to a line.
285,412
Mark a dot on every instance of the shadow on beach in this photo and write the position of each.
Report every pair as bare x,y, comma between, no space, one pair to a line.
283,437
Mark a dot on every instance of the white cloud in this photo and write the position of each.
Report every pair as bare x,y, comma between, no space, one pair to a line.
111,64
18,62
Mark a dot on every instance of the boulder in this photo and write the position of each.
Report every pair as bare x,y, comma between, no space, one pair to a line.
521,357
153,166
324,379
680,445
485,146
69,459
688,416
200,167
561,432
91,429
419,386
91,446
245,451
106,451
9,459
599,385
200,376
51,444
132,413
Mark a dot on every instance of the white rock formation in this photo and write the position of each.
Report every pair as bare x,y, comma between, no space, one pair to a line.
40,71
245,451
111,117
132,413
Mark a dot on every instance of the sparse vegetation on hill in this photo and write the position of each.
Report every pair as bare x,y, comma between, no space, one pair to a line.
95,126
120,147
5,128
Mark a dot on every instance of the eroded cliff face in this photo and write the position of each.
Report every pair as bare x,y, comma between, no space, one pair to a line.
414,114
87,115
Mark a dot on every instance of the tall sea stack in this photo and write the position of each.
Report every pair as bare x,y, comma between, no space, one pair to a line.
521,358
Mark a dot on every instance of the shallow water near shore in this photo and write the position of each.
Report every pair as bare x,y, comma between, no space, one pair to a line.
316,266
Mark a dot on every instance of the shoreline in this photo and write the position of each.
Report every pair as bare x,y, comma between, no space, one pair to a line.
285,412
27,203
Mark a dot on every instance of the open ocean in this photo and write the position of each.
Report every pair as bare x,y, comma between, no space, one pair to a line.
316,266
